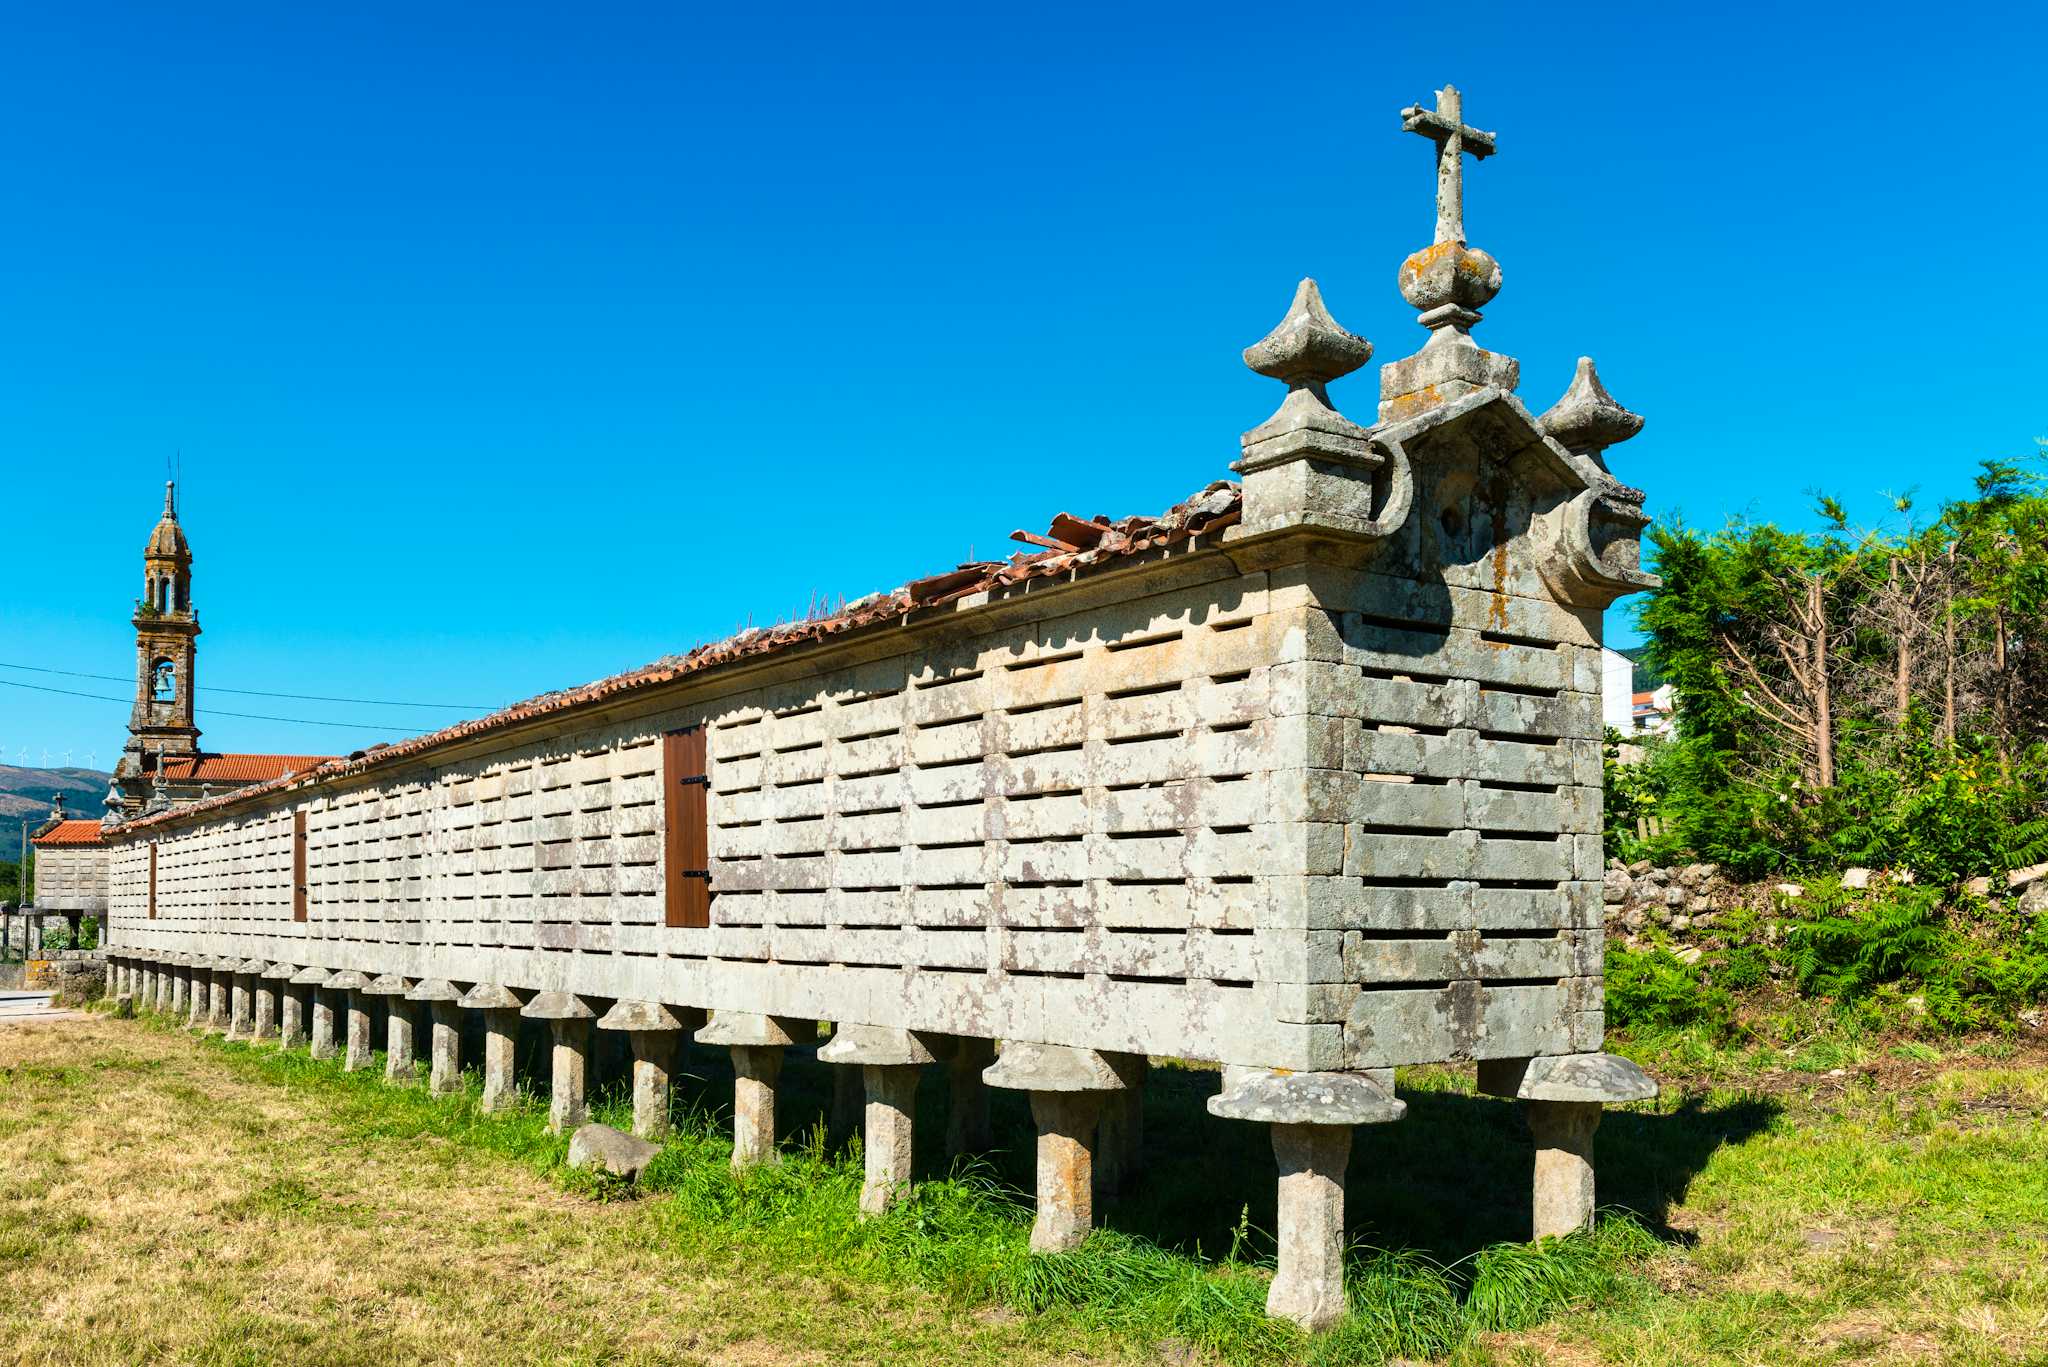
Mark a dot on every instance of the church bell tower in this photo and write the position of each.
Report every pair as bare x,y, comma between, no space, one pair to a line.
166,644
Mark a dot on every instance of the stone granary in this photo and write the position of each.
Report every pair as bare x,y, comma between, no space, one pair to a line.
1301,778
71,870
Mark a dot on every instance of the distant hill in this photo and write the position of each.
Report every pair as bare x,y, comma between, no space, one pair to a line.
26,793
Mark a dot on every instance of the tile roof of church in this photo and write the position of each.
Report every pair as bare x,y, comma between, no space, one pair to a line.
74,832
1070,546
213,767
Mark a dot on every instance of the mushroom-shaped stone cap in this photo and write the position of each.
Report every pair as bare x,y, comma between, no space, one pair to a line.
1308,1099
433,990
1052,1068
1307,346
627,1014
876,1046
490,997
558,1006
279,971
348,980
746,1029
1605,1078
251,966
386,985
1587,418
315,977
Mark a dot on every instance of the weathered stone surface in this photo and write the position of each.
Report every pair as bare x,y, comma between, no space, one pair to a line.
1066,1177
1563,1192
604,1149
501,1044
444,1075
747,1029
1308,1282
558,1006
1052,1068
876,1046
1598,1078
1306,1099
755,1068
628,1014
571,1065
886,1143
654,1066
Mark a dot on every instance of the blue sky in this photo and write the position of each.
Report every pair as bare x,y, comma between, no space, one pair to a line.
507,347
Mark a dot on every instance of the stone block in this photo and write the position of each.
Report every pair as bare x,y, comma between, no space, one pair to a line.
604,1149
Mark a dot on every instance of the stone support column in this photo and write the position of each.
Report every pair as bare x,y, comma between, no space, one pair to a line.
160,999
301,998
756,1043
272,991
242,1017
967,1123
1564,1094
891,1062
181,979
1311,1115
199,982
1067,1087
444,1048
320,1040
500,1007
220,980
568,1017
352,988
398,1027
149,985
656,1035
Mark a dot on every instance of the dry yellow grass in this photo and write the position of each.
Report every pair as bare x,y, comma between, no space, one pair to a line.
156,1205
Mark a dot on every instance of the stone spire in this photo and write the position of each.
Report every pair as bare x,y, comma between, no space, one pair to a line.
1308,461
1587,420
1446,281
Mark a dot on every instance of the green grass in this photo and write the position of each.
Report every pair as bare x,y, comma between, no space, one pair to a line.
1812,1192
1153,1274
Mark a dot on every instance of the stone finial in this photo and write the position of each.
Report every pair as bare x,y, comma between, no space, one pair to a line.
1307,348
1306,351
1448,281
1587,420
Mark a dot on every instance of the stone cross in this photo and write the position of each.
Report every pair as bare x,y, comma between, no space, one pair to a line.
1453,138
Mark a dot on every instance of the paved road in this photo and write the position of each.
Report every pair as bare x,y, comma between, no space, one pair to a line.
31,1006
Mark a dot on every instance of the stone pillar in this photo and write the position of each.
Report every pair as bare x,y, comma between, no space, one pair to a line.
568,1017
501,1042
160,999
756,1043
398,1027
242,984
1120,1129
295,1009
967,1123
656,1034
444,1048
320,1042
149,985
220,981
351,987
891,1061
271,991
200,979
1564,1095
174,1002
1067,1089
1311,1115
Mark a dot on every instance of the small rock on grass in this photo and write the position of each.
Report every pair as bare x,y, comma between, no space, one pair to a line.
604,1149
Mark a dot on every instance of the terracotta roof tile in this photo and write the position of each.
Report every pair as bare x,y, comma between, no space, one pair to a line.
208,767
1210,510
83,831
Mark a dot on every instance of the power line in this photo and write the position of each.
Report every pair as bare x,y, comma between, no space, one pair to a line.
259,693
403,728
